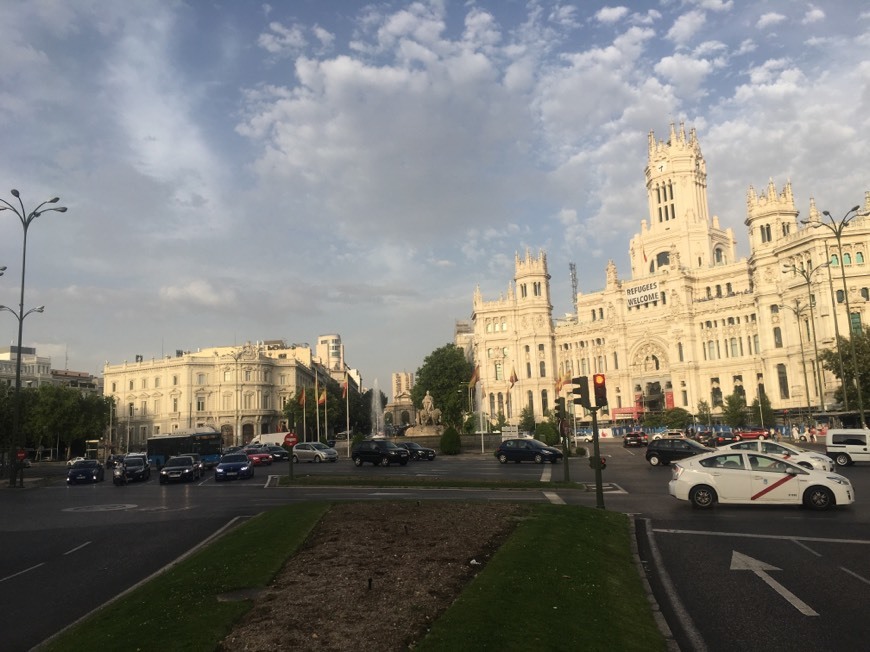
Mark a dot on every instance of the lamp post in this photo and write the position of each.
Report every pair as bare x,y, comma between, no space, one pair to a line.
798,311
26,220
836,228
807,275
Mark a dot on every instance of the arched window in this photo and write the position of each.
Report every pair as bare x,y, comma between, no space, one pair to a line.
718,258
835,261
774,309
782,376
847,259
545,403
859,258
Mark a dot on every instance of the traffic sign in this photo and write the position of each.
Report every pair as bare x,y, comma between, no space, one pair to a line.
20,454
290,439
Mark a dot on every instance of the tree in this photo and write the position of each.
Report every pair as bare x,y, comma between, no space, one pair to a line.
445,374
527,420
705,414
677,418
734,410
830,360
762,412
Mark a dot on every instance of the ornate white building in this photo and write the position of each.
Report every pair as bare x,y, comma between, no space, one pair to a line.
693,322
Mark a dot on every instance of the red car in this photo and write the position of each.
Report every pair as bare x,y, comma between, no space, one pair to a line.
750,433
259,457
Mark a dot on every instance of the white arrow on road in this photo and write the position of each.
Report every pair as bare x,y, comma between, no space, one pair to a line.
740,561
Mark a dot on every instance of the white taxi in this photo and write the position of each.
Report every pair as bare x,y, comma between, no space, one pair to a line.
800,456
747,478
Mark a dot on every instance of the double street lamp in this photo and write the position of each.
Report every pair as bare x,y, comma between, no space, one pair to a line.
26,220
807,275
798,310
836,228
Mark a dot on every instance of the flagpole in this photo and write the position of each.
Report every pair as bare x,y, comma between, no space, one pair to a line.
347,410
316,407
304,426
325,417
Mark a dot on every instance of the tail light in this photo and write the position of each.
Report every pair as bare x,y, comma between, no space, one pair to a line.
677,471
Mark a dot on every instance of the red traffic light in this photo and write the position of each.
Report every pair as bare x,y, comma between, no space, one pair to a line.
599,382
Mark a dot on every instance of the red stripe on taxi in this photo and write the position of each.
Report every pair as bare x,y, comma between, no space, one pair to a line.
784,479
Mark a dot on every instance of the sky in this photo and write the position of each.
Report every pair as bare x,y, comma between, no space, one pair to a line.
239,171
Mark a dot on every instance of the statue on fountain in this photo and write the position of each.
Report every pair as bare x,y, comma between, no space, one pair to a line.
428,414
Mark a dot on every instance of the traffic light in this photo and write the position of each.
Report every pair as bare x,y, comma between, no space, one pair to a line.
600,389
581,391
561,413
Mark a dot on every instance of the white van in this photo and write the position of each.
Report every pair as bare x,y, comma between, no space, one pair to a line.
272,439
847,446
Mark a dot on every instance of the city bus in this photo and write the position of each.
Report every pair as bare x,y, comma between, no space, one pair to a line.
205,441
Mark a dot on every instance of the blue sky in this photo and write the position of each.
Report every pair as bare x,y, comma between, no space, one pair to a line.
239,171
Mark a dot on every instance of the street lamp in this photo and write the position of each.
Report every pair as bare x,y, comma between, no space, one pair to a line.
798,310
836,228
807,275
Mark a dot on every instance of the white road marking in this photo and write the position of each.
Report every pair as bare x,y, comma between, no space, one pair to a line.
806,547
546,473
739,561
69,552
553,498
26,570
762,536
855,575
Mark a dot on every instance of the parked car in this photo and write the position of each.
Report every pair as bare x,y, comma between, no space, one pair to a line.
135,468
848,445
73,461
636,438
713,439
417,451
665,451
181,468
800,456
200,465
669,434
751,432
379,451
742,477
259,456
584,438
526,450
85,471
314,451
234,466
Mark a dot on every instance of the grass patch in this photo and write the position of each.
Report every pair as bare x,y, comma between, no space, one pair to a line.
178,610
565,580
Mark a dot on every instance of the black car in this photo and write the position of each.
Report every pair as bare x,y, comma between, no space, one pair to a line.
379,451
714,439
665,451
178,469
636,438
85,471
418,452
527,450
134,467
279,453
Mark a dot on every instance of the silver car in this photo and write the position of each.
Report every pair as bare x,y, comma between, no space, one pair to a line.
314,451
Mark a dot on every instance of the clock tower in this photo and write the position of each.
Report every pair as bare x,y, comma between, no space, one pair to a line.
679,220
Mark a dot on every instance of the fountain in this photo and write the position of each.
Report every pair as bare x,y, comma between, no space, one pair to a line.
377,412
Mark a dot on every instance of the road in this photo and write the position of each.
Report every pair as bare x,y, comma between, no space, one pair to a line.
754,577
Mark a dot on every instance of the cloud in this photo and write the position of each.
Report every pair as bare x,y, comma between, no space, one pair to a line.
685,27
813,15
609,15
769,20
281,40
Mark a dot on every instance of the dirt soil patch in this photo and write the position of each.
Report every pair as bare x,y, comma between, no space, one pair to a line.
374,576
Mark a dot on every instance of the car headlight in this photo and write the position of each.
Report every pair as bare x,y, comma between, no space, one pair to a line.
839,480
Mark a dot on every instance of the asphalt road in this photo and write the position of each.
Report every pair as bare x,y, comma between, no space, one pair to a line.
753,577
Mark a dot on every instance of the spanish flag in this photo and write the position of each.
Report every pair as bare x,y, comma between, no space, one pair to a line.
560,382
513,378
344,389
474,377
302,397
322,398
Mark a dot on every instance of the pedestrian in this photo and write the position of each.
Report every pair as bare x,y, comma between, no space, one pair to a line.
795,435
813,434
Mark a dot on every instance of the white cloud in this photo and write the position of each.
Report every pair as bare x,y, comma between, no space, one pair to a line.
685,27
611,14
769,19
686,73
281,40
813,15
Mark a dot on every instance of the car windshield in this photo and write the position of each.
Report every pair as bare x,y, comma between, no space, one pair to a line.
134,461
84,464
180,461
234,458
389,444
319,446
413,444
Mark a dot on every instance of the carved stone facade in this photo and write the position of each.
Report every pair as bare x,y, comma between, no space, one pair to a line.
693,322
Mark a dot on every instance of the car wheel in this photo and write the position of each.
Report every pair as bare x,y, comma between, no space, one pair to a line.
357,461
655,460
819,498
318,459
503,458
842,459
761,437
295,460
539,459
385,461
737,438
702,497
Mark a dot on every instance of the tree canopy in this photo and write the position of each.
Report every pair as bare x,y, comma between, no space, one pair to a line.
445,374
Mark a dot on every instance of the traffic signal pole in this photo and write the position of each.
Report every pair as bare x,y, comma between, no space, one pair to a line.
581,392
596,460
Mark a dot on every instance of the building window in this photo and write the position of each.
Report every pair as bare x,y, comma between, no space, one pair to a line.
543,368
859,258
835,261
847,259
200,379
615,360
131,385
545,403
528,370
143,408
175,380
523,291
530,401
680,351
865,294
782,375
855,322
200,403
174,404
247,375
734,348
840,296
144,383
499,371
114,388
157,381
777,337
227,376
774,309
